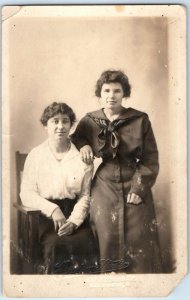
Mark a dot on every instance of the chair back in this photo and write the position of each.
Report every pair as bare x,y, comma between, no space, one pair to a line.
20,160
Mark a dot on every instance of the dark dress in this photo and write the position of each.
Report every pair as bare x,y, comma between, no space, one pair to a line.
126,233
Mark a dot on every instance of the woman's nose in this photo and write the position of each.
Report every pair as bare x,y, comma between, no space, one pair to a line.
111,94
60,125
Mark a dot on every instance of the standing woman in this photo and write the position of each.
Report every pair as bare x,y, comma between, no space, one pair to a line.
122,210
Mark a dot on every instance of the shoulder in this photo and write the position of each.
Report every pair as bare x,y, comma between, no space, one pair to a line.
142,116
131,112
39,150
88,120
96,114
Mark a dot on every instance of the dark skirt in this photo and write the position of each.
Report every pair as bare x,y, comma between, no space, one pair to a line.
126,234
68,254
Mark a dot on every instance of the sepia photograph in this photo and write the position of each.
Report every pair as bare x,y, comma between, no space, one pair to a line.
94,150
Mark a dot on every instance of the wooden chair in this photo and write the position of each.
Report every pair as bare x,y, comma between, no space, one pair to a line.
27,226
28,245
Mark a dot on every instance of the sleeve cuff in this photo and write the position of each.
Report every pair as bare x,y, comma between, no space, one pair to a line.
75,222
49,209
141,192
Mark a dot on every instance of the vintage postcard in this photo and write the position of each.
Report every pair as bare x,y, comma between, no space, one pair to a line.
94,150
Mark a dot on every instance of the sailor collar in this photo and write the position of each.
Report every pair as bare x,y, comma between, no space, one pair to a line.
126,113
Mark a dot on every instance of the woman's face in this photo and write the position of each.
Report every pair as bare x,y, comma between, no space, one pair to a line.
58,127
112,95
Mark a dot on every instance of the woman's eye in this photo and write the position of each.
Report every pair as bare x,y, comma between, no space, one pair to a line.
56,122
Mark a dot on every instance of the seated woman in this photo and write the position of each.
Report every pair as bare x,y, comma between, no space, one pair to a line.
57,182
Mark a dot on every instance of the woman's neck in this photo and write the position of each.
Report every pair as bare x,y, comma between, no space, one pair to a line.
59,146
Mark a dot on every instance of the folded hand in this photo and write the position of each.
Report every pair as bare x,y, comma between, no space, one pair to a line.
66,229
58,218
87,154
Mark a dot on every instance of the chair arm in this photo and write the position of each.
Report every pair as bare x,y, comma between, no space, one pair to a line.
26,210
28,231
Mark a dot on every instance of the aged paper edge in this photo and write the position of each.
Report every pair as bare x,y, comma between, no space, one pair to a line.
106,285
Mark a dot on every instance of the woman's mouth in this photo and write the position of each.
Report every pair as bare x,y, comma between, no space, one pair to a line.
111,102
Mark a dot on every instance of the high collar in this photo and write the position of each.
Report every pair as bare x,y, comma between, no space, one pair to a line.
126,113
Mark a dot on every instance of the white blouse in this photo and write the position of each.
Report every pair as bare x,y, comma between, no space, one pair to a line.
44,178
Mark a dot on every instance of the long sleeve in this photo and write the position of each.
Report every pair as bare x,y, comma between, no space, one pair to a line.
148,166
29,190
81,208
80,136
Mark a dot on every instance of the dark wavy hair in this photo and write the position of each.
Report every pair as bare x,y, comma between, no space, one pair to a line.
115,76
57,108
